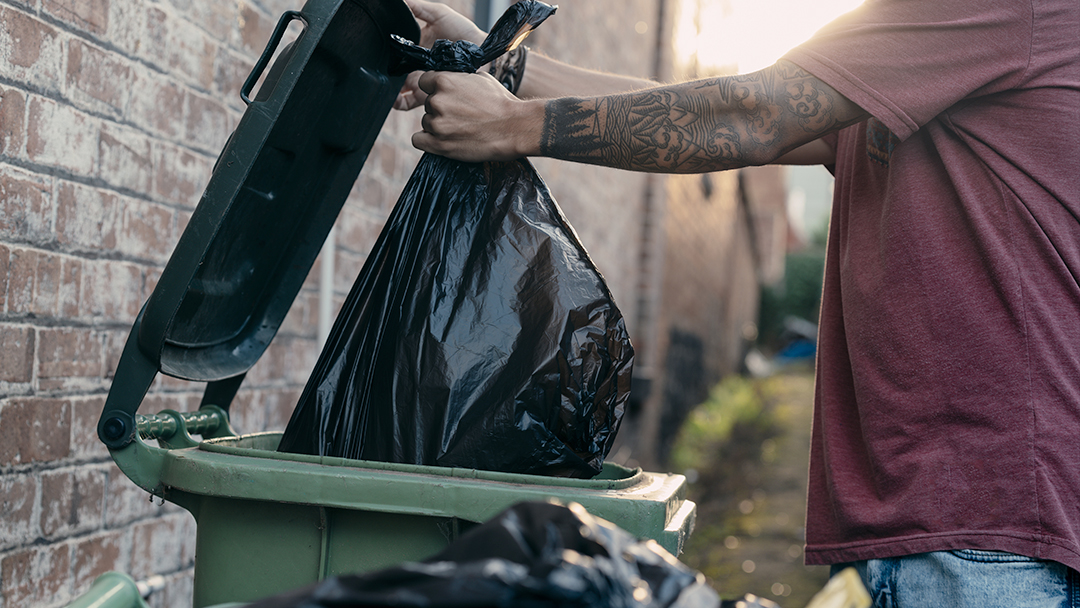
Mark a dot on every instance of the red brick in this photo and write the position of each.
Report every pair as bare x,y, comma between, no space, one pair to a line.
303,317
357,230
72,501
178,591
37,576
56,501
62,137
279,407
47,285
230,71
17,355
255,29
179,402
112,291
126,502
88,15
12,121
26,206
157,545
18,493
33,50
346,266
152,276
124,159
127,27
372,194
97,555
85,413
183,48
217,18
21,272
68,353
70,288
86,218
147,232
245,413
180,176
207,123
114,348
158,104
98,74
33,429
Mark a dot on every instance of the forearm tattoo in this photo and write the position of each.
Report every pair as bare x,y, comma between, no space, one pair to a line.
693,127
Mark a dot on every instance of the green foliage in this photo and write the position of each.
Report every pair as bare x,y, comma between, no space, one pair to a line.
798,295
734,401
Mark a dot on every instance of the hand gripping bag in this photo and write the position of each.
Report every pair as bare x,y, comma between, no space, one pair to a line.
478,334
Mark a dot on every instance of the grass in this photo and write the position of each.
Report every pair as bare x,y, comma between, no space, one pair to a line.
745,451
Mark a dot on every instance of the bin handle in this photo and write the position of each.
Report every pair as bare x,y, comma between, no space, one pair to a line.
268,52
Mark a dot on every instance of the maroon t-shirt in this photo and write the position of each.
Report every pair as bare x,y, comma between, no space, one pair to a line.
948,382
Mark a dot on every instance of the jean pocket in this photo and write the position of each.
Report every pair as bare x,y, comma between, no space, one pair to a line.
986,556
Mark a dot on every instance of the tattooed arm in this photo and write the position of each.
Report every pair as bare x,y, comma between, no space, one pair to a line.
692,127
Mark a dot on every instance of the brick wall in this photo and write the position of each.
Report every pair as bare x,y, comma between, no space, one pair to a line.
112,113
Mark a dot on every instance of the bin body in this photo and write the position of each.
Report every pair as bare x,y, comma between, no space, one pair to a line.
269,522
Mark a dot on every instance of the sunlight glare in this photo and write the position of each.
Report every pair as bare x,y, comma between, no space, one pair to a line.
743,36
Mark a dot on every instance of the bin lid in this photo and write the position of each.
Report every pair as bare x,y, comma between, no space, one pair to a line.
276,190
274,194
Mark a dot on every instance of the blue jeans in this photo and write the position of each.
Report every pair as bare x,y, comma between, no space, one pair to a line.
968,578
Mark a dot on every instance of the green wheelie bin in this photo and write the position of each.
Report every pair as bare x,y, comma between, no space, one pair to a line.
269,521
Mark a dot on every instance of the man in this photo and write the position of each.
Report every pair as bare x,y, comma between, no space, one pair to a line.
945,460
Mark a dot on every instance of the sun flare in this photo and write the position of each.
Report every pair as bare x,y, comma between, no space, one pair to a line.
747,35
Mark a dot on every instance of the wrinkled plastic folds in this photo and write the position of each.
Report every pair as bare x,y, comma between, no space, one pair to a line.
479,334
465,56
533,555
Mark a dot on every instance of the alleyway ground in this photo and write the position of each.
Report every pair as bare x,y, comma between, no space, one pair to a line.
746,452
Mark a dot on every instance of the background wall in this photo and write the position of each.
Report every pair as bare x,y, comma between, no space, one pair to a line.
112,113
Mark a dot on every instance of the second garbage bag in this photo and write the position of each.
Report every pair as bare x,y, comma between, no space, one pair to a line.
479,333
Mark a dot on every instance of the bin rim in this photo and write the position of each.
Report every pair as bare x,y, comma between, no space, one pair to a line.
613,476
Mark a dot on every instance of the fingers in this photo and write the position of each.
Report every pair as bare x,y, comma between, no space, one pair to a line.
421,9
428,82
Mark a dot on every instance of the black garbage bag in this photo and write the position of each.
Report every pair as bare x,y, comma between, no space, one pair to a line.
479,334
533,555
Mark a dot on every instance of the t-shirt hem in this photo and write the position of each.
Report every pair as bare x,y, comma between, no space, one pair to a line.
860,93
1030,545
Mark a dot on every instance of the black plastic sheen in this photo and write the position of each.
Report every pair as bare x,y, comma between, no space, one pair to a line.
479,334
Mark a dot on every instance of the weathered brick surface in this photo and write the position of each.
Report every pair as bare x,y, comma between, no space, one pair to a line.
26,206
36,576
17,355
34,430
98,79
91,16
12,121
18,497
33,48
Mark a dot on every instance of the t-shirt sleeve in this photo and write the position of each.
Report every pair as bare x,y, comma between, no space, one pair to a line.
906,61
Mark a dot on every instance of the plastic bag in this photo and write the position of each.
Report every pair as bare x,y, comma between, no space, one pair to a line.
532,555
479,334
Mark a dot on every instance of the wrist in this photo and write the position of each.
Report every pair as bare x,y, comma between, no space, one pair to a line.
528,127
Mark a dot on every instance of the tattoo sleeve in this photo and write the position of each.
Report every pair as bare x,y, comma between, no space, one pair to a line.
694,127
